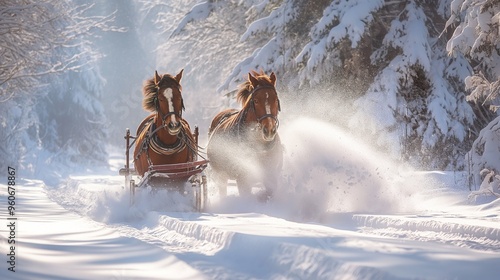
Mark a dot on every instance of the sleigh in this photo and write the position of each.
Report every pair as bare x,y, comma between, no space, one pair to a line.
172,177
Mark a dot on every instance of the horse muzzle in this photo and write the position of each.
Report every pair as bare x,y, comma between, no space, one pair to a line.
269,126
173,128
269,132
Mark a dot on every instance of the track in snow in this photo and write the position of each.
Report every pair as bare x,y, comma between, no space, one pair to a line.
270,244
341,212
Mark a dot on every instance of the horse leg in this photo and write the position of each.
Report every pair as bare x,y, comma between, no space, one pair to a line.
270,184
220,181
244,186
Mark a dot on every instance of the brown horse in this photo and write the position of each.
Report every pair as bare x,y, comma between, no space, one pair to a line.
164,137
244,145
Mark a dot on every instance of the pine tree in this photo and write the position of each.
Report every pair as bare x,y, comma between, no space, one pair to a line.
204,41
426,112
386,55
340,30
269,36
73,130
476,35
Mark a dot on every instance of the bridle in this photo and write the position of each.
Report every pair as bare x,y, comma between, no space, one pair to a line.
241,115
264,116
162,116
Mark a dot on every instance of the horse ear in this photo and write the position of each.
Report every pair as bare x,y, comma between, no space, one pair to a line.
253,80
179,76
157,78
273,78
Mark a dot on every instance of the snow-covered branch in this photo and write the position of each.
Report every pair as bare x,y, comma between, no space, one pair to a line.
198,12
31,32
477,35
489,186
342,20
48,63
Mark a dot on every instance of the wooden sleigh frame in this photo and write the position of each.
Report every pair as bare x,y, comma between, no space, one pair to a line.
168,174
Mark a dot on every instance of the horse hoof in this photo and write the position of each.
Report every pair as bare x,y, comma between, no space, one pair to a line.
264,197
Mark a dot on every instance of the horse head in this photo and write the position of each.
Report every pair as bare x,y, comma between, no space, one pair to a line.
265,103
166,99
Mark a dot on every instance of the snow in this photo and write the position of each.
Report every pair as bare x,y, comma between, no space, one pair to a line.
485,151
198,12
342,209
343,212
54,243
447,116
348,20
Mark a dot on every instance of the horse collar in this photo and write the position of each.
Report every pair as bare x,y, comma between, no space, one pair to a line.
163,149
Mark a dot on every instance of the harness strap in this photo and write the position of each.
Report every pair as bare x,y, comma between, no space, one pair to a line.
154,144
161,148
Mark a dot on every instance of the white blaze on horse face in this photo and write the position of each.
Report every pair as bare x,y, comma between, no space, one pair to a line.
268,107
169,95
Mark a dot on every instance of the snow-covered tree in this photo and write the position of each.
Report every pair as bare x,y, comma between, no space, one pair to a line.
72,132
42,44
485,153
32,30
202,39
425,109
476,35
269,35
386,55
127,61
343,22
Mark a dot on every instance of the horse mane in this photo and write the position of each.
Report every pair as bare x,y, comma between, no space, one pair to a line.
246,88
150,90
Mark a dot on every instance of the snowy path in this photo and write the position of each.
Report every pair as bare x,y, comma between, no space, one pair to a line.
54,243
342,212
98,236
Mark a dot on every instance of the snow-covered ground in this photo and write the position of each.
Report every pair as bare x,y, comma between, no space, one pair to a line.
342,212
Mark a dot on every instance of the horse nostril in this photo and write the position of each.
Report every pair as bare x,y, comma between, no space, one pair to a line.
266,131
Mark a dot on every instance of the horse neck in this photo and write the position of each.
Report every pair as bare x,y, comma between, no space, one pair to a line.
244,120
245,117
